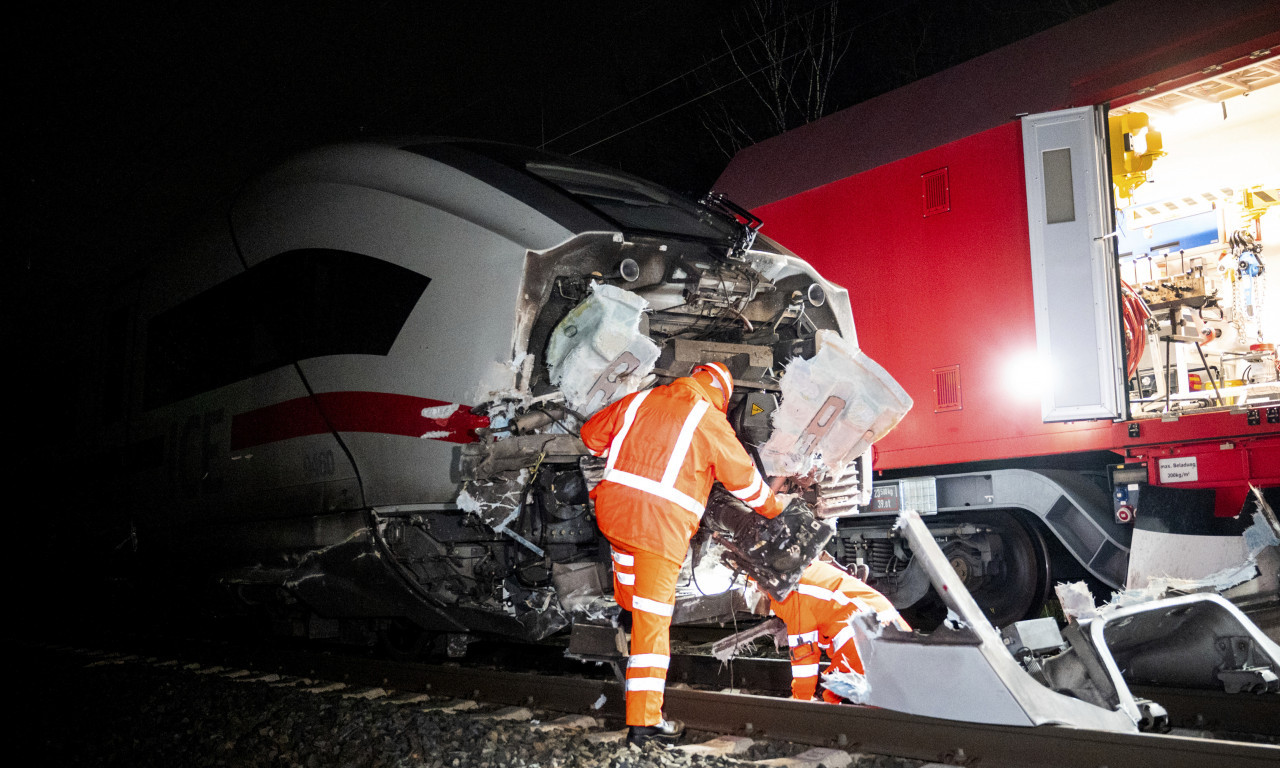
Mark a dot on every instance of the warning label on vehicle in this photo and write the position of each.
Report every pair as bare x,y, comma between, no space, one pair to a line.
1180,470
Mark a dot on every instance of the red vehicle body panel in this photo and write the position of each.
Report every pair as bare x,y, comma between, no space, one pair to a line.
954,289
932,291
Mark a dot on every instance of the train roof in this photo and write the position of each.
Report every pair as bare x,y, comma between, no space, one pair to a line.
1100,57
577,195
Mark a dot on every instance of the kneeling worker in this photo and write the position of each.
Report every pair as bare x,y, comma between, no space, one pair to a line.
816,613
665,447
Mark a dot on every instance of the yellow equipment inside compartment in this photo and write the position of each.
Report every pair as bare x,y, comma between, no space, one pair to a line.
1134,147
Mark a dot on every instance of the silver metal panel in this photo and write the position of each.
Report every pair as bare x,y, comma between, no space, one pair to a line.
1073,265
993,687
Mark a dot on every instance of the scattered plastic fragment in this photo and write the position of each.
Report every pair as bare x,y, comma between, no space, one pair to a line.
439,411
597,354
1259,536
834,406
850,686
1077,600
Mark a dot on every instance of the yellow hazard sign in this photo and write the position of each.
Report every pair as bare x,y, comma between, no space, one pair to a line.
756,409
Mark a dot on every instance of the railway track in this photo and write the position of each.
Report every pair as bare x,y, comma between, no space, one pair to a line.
693,698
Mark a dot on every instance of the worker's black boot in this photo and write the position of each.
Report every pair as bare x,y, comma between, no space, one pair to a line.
665,732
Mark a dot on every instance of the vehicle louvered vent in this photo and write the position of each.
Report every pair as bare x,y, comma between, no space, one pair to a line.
946,389
936,192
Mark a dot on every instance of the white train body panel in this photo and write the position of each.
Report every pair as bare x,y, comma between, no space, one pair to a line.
305,371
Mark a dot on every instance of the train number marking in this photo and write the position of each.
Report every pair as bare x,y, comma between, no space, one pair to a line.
318,464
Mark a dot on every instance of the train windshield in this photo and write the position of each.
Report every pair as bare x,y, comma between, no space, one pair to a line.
629,202
632,202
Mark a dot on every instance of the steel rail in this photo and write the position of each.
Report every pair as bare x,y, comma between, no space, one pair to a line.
1188,708
863,729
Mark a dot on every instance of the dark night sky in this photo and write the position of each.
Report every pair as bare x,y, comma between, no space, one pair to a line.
134,119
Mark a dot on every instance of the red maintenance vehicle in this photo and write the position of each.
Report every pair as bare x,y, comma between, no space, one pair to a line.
1057,249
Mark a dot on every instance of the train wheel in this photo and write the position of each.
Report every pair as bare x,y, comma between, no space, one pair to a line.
1015,584
402,640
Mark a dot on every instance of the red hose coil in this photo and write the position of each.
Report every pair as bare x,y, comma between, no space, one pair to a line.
1135,314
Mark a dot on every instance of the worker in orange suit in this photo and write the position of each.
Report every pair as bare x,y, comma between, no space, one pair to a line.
665,447
817,615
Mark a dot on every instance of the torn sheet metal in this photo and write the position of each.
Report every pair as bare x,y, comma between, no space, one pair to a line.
585,592
356,577
1246,564
505,381
1076,600
964,673
834,406
598,354
497,500
1160,558
1195,641
479,461
537,609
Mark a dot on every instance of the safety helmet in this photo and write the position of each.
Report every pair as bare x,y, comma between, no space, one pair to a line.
717,375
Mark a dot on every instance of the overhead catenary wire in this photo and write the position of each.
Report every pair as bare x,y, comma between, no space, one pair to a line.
680,77
742,78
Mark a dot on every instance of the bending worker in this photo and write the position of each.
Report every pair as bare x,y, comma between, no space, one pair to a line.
665,446
816,613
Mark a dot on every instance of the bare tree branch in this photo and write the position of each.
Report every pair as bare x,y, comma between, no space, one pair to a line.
785,58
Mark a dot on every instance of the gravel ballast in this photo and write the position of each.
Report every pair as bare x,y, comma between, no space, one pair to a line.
138,713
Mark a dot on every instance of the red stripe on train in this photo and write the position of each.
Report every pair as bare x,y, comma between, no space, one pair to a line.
379,412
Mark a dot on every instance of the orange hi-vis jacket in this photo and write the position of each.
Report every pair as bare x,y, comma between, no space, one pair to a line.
665,447
816,614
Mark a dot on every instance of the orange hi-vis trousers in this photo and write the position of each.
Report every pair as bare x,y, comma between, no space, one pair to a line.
817,616
645,585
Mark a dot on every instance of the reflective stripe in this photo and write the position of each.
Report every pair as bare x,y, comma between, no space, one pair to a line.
723,380
655,488
627,420
666,488
839,598
803,670
681,449
842,637
660,660
862,605
759,500
751,490
651,606
803,637
622,558
625,578
646,684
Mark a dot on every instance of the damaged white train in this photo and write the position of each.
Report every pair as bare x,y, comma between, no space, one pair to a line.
355,404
